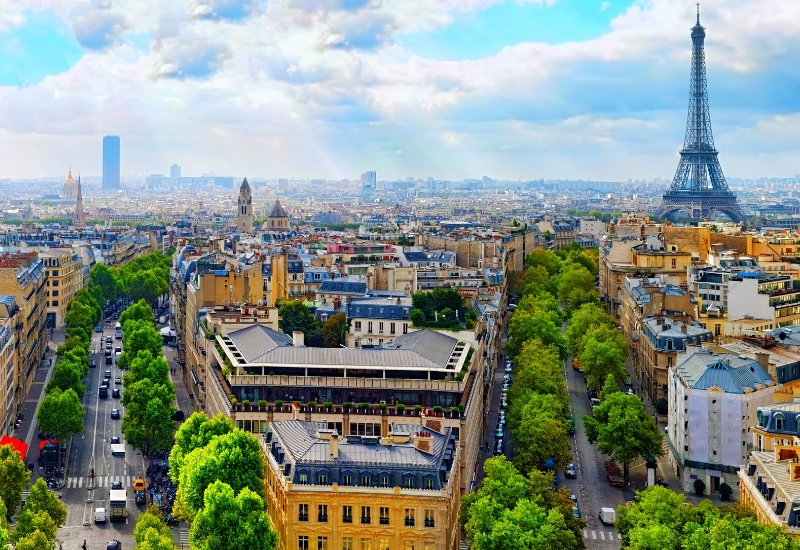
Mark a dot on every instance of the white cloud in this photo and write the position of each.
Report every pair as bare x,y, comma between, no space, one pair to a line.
11,16
295,86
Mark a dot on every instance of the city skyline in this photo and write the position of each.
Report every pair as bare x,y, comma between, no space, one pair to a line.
569,89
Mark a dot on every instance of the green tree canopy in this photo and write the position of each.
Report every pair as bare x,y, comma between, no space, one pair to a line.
586,317
576,286
61,413
623,430
601,358
528,325
541,434
140,311
539,367
545,258
195,433
294,315
230,521
438,300
79,315
14,477
147,423
333,330
67,375
150,526
101,276
234,458
42,499
36,540
30,521
146,366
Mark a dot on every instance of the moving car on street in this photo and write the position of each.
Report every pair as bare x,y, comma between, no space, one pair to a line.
571,471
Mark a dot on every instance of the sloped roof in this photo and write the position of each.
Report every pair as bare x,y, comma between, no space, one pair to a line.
257,341
730,373
432,345
244,186
278,211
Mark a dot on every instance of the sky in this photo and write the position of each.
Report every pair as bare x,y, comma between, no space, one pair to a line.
510,89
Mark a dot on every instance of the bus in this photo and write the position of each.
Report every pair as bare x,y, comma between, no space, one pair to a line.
118,331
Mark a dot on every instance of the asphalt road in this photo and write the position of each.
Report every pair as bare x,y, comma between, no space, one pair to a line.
91,450
591,486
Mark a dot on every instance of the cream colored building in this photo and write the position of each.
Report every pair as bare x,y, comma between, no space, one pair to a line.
399,491
64,272
8,362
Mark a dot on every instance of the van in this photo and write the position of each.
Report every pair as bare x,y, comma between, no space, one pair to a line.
595,402
607,516
100,515
118,449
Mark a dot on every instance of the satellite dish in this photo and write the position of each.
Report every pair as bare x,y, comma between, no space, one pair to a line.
782,336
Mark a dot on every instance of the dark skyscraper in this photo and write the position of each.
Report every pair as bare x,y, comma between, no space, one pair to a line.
111,162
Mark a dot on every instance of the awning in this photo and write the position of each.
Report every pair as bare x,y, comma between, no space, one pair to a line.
46,441
20,446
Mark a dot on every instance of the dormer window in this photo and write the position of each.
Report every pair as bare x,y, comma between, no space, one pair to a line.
779,422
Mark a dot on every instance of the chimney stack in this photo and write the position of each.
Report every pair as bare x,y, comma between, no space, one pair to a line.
334,441
298,339
763,359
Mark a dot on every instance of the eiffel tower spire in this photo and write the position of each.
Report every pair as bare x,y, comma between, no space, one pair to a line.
699,187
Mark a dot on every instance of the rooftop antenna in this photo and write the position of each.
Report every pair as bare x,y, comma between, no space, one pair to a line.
698,13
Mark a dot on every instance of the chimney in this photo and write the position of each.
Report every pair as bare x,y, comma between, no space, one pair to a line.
298,339
334,441
683,328
763,359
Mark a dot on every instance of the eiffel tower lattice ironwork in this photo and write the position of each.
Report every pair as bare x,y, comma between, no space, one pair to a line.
699,187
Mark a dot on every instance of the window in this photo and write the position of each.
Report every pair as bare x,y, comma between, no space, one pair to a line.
347,543
358,325
322,513
778,422
366,544
302,542
365,481
302,512
303,479
674,263
369,327
365,515
391,328
384,515
55,274
428,545
384,481
347,514
383,544
55,283
55,303
408,545
322,543
405,328
429,483
347,481
430,516
380,327
323,479
55,293
409,483
409,517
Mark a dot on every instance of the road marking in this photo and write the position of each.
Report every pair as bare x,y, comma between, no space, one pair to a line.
611,536
594,535
585,534
602,536
80,481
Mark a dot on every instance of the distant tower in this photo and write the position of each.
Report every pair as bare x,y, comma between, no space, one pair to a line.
699,187
68,191
111,162
244,216
369,183
29,211
79,219
175,171
278,219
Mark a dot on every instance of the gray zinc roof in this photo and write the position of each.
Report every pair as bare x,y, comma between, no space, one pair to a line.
731,373
433,345
256,341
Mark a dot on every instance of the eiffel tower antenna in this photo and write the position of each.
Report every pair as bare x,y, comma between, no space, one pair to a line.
699,187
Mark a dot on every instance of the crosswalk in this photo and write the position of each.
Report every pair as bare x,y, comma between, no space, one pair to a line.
78,482
602,535
184,539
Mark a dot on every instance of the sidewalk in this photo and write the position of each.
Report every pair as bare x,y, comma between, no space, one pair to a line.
185,403
29,428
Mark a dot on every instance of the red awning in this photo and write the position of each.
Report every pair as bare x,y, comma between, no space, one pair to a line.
20,446
46,441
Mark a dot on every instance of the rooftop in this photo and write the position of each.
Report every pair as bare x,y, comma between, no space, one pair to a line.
704,369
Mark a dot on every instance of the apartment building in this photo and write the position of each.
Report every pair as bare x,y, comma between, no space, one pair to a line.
64,272
8,362
399,490
22,276
374,321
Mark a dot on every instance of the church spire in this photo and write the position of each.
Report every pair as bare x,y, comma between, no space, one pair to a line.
79,219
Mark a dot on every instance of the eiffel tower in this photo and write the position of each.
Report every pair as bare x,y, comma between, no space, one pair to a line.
699,187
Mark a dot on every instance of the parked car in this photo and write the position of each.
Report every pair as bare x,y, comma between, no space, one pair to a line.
498,447
114,544
592,393
576,512
508,367
115,413
570,425
499,432
504,403
628,381
92,363
571,471
117,380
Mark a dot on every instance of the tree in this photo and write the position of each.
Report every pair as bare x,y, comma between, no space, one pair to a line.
540,435
234,458
333,330
610,386
101,276
147,423
294,315
80,316
14,476
42,499
195,433
145,365
586,317
35,540
623,430
61,413
231,522
539,368
600,359
545,258
140,311
150,528
576,287
67,375
30,521
526,325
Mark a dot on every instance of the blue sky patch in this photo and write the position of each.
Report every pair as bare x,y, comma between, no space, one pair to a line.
43,46
478,34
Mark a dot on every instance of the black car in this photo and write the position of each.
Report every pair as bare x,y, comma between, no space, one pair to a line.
109,360
98,328
114,544
92,363
115,393
108,351
571,471
113,440
178,415
116,485
592,393
115,413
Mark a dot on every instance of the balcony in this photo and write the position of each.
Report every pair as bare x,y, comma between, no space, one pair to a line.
347,519
322,518
366,520
302,517
384,521
409,522
430,523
